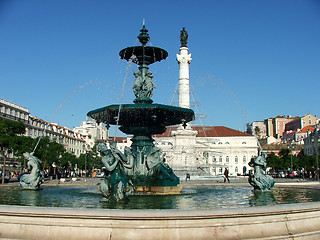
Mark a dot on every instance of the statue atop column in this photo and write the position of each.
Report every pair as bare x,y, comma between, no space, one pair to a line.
183,37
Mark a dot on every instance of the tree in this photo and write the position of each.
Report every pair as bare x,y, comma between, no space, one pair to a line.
285,158
274,161
49,152
9,131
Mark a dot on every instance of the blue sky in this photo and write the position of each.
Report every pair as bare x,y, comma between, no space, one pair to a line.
251,59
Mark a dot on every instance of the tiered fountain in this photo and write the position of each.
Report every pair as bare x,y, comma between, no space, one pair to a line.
143,119
149,172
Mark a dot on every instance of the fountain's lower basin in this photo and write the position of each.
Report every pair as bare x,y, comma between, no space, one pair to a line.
83,220
191,197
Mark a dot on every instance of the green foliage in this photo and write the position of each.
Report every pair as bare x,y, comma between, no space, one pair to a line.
283,161
274,161
307,162
9,132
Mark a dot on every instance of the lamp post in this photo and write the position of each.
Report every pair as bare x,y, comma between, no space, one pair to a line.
316,149
292,147
85,162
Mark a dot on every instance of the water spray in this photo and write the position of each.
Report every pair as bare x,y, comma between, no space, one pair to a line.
132,59
60,106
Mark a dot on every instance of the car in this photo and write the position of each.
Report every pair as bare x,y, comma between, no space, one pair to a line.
7,176
293,174
281,174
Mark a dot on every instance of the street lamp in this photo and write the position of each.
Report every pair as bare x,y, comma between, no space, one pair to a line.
85,162
316,148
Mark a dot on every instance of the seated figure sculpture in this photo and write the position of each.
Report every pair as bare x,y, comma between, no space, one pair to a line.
158,169
259,180
33,179
116,184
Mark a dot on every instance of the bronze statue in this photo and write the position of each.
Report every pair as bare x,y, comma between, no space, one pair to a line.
260,180
116,185
183,37
33,179
143,85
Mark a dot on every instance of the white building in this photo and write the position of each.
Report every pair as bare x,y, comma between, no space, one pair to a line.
92,131
72,141
212,149
13,111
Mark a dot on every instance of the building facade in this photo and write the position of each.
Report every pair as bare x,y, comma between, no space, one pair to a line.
92,131
13,111
73,141
312,142
275,127
209,151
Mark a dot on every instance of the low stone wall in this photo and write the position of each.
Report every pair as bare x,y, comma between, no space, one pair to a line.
291,221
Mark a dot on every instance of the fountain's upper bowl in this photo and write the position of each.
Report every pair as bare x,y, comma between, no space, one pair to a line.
134,117
143,54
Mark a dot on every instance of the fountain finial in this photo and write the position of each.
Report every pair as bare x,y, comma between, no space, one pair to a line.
143,36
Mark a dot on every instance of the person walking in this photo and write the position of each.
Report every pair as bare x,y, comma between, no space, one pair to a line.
226,175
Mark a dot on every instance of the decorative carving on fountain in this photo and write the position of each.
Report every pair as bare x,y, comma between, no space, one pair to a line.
143,86
33,179
259,179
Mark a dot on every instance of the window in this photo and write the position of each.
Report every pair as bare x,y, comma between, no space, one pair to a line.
214,159
236,169
220,159
244,143
227,159
236,159
244,159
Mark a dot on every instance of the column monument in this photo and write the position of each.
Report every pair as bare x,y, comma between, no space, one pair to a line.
184,59
184,137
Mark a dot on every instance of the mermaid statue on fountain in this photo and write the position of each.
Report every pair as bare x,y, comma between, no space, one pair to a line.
116,185
33,179
259,179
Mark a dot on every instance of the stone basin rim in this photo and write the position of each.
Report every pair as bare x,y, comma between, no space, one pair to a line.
156,214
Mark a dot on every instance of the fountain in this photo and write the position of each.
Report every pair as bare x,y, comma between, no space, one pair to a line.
143,119
142,168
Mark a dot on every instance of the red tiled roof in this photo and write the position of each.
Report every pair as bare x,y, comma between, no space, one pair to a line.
307,129
209,131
